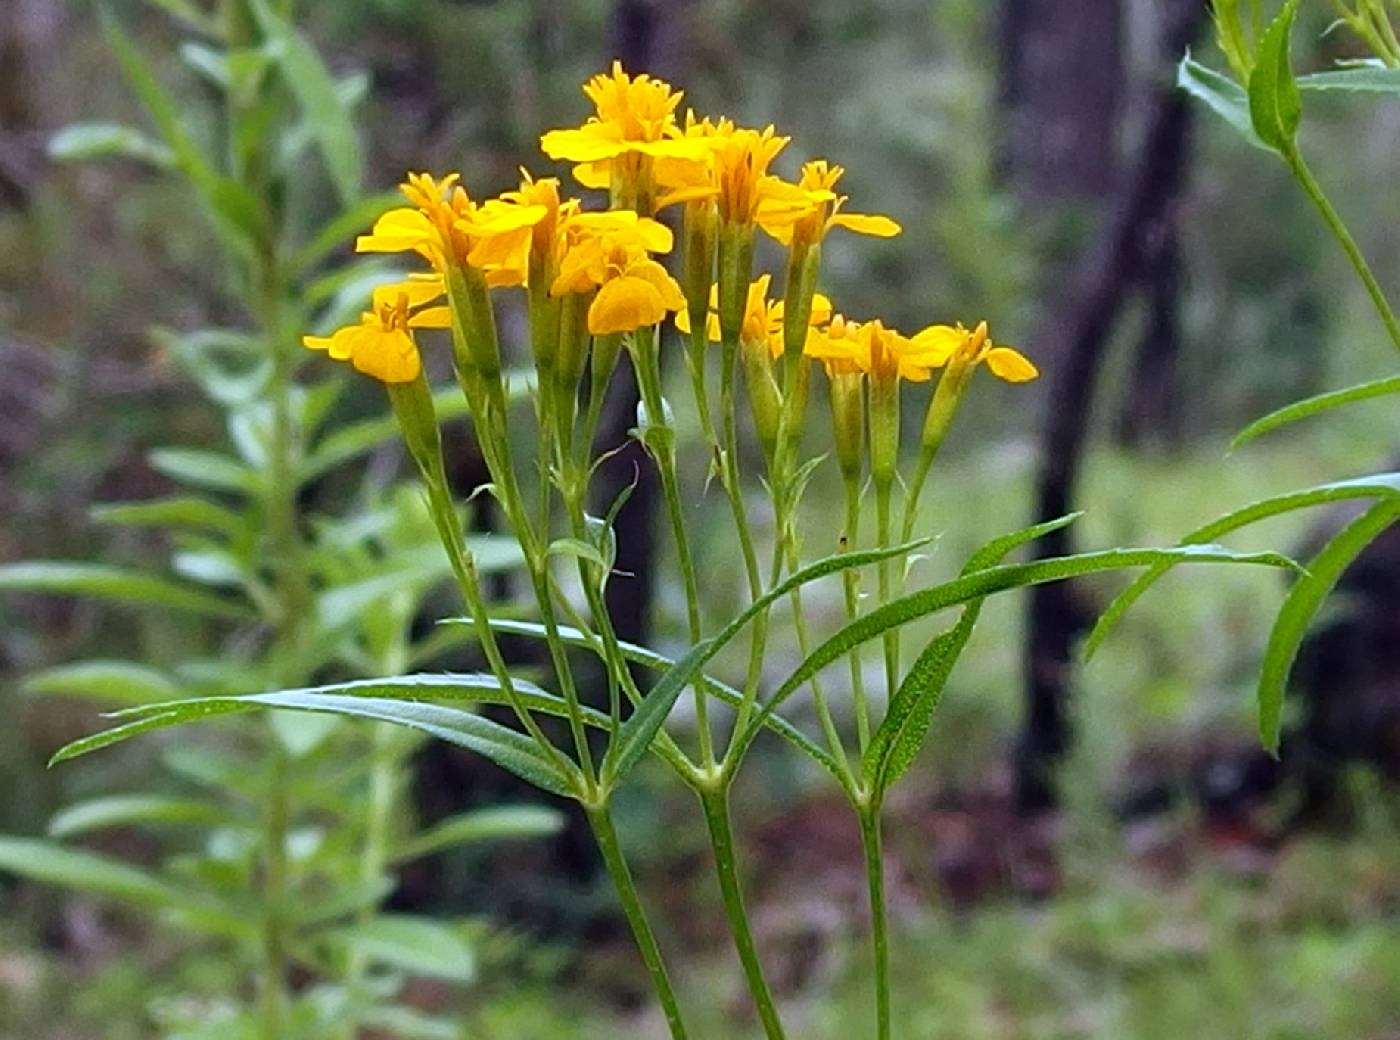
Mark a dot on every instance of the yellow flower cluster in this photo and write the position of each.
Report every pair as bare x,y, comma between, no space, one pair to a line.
635,147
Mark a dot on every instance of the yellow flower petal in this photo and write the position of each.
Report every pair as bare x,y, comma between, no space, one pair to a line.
1011,365
587,144
624,305
432,318
596,175
940,341
390,357
865,224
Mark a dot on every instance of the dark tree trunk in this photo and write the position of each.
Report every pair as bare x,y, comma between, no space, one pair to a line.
1151,410
1078,335
1062,85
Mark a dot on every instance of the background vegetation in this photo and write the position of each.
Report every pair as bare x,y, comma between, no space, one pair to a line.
1169,894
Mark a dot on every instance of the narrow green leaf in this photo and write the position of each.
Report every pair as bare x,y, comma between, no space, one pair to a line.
1221,94
89,872
1367,79
406,1023
234,210
504,746
417,945
183,511
637,733
1381,485
656,662
318,95
124,810
1275,108
100,581
983,583
1315,405
578,548
1302,603
121,682
205,469
906,723
491,824
83,142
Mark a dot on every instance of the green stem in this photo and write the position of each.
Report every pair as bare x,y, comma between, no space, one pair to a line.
883,525
603,831
879,938
714,799
664,454
1304,176
729,469
851,581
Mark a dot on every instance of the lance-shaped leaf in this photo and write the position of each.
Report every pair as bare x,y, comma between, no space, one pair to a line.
1364,79
493,823
1221,94
906,723
981,583
656,662
406,705
125,810
89,872
1302,603
1311,406
641,727
123,682
1381,485
1275,108
316,91
100,581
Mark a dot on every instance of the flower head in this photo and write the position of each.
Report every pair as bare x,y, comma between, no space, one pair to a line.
804,212
763,318
381,344
610,252
954,344
741,159
634,123
870,347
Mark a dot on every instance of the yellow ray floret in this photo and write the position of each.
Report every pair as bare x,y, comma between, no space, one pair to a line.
807,210
381,344
763,318
949,342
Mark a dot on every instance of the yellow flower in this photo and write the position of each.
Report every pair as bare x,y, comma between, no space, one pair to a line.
741,161
694,179
807,210
635,122
609,252
870,347
763,318
949,343
381,344
428,227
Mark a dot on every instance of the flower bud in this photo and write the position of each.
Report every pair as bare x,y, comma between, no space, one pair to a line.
848,421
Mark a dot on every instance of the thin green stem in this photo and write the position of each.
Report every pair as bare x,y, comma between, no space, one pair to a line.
603,831
661,445
1333,219
879,936
883,524
714,799
729,469
851,581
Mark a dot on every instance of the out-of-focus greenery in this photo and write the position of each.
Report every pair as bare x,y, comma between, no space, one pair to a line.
904,94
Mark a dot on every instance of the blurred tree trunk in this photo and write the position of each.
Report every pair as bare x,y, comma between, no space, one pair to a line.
28,40
1131,243
1062,85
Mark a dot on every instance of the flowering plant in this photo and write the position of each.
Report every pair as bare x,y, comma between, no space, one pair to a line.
598,296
